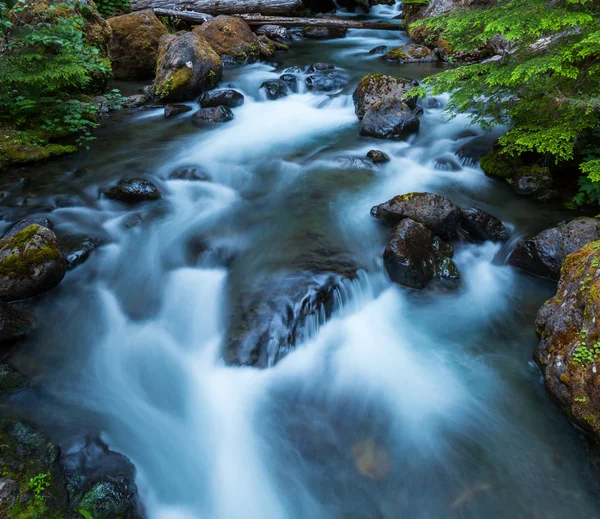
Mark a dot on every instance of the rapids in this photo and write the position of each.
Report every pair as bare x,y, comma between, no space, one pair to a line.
402,404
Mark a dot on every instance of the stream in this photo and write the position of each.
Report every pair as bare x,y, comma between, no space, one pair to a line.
400,404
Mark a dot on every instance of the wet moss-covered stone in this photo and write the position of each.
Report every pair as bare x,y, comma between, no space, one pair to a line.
532,180
389,119
374,88
11,380
108,499
31,262
17,148
410,53
498,165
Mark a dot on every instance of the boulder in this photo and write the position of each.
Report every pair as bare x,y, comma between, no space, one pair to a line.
326,81
229,98
439,214
324,33
316,68
415,257
480,226
110,498
172,109
377,87
133,191
378,157
26,222
31,262
389,119
472,151
214,114
410,53
569,332
11,380
14,325
186,67
291,81
134,44
380,49
274,89
534,181
274,32
544,253
231,38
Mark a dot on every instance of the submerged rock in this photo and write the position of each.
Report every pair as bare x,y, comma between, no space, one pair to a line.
80,255
378,156
410,53
291,81
171,110
326,81
378,87
544,253
11,380
415,257
569,348
31,262
14,325
133,191
439,214
389,119
186,67
229,98
217,114
274,89
189,173
134,44
481,226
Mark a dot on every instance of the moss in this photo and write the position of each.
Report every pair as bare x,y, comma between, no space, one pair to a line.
25,147
22,258
497,165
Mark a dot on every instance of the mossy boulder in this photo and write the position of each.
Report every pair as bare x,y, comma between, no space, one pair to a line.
31,262
14,325
377,87
109,499
134,44
19,148
532,180
231,38
389,119
410,53
569,332
544,253
438,213
186,66
498,165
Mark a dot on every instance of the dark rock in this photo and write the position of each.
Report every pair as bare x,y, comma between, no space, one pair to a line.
293,70
319,67
136,101
275,89
9,493
471,152
274,32
30,442
31,262
415,257
216,114
381,49
26,222
533,181
81,254
481,226
326,81
436,212
543,254
109,499
445,164
171,110
13,324
378,87
214,98
291,81
11,380
378,156
133,191
324,33
189,173
389,119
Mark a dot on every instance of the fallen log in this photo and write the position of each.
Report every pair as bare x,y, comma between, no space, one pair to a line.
255,20
274,7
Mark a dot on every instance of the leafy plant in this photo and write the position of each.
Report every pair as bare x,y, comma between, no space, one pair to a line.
113,7
39,484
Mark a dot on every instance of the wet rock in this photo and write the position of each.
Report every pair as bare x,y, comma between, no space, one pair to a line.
14,325
275,32
274,89
324,33
229,98
389,119
544,253
26,222
446,164
381,49
133,191
64,201
136,101
293,70
319,67
569,350
535,181
355,164
189,173
436,212
481,226
268,47
31,262
81,254
410,53
471,152
231,38
171,110
291,81
134,44
216,114
109,499
11,381
186,67
415,257
326,81
9,493
376,87
378,157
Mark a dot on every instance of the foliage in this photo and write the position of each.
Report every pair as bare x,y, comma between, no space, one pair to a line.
546,87
113,7
46,69
39,484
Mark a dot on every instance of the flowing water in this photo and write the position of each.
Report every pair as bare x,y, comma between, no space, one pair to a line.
401,404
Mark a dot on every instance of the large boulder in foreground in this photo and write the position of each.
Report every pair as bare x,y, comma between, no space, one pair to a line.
186,67
134,44
231,38
31,262
415,257
544,253
439,214
374,88
389,119
569,332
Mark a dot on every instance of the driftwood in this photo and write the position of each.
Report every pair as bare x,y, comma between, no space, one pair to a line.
275,7
256,19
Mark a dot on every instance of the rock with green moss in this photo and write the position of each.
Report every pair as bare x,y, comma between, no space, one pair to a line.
569,332
378,87
31,262
532,180
21,148
134,44
186,66
112,498
410,53
232,39
544,253
14,325
498,165
11,380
